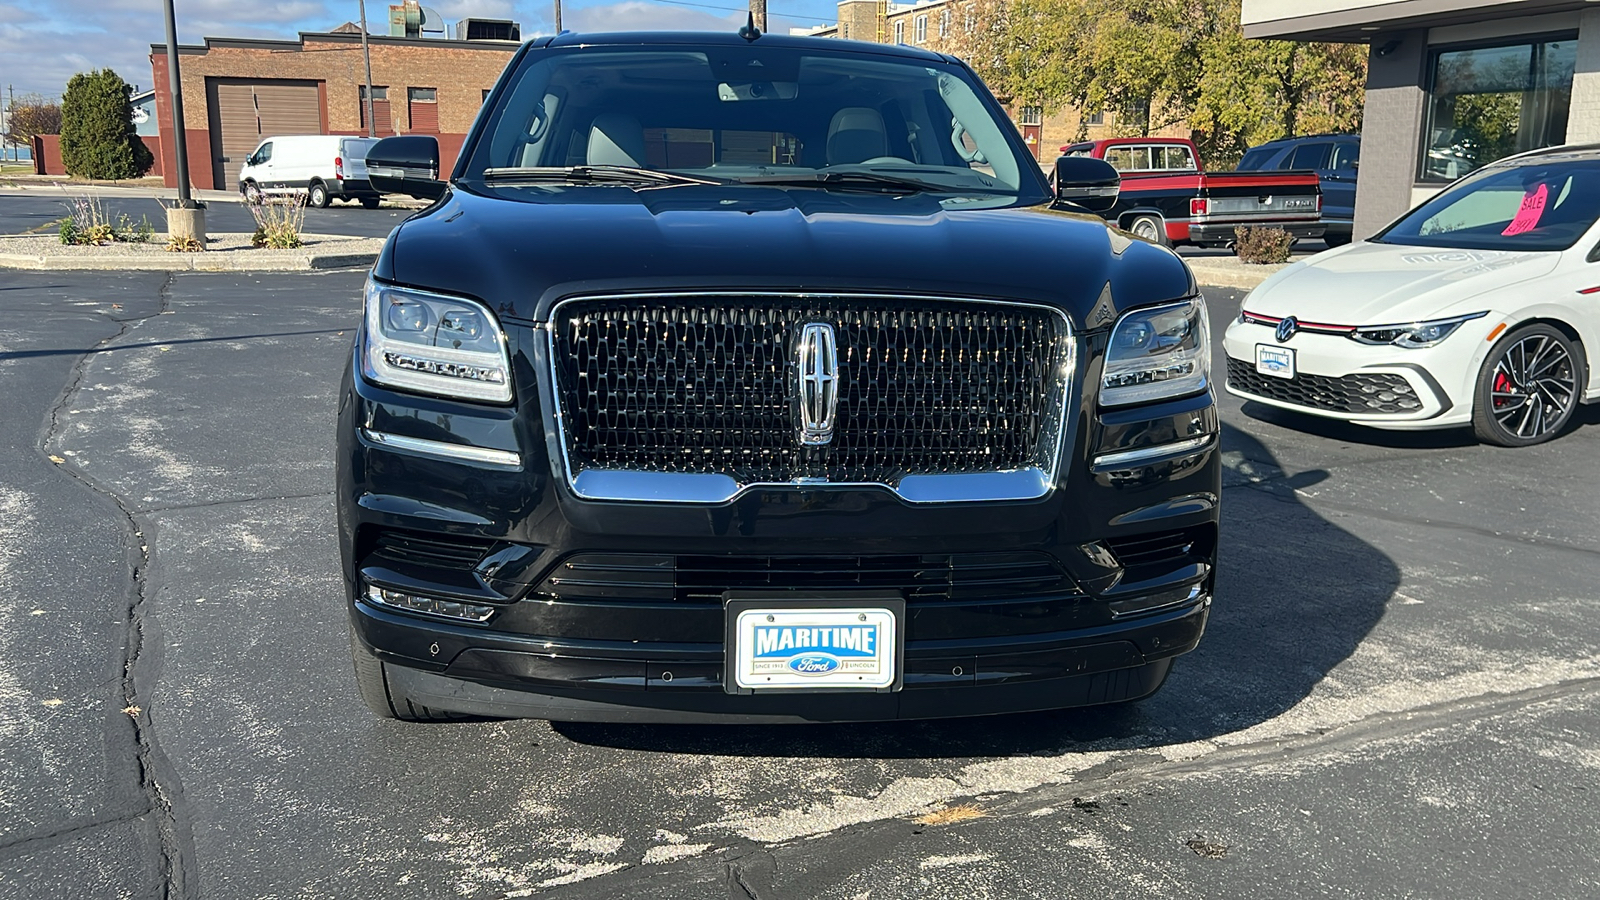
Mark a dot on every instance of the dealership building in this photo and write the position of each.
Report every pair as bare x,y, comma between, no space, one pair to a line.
236,92
1452,84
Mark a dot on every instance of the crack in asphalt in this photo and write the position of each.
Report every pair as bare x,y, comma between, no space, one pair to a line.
33,842
180,507
156,779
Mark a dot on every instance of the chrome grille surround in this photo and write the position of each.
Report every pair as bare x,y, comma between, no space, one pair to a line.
1026,478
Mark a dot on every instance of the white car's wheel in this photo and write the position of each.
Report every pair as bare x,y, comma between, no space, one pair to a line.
1527,388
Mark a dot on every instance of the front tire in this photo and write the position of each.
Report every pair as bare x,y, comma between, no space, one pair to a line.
1527,388
318,195
251,192
380,695
1151,228
369,202
1336,240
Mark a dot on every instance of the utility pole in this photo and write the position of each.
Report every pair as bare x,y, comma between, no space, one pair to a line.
758,11
558,16
186,219
366,57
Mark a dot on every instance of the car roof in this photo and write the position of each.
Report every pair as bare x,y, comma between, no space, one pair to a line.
1545,154
732,39
1285,141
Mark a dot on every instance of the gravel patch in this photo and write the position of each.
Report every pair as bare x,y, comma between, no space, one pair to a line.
229,252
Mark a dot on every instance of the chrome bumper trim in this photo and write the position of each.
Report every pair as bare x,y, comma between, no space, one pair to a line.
690,487
461,452
1144,456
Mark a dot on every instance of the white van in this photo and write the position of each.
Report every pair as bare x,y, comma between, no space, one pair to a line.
325,167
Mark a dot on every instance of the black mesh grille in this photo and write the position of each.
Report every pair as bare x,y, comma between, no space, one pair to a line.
701,580
1359,393
707,385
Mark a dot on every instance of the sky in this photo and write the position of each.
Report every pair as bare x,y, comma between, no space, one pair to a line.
43,42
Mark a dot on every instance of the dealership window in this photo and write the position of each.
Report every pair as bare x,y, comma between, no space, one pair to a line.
1094,118
1486,103
921,30
1031,115
380,109
900,32
422,105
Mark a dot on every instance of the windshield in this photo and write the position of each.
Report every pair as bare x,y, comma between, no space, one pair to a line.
1538,204
769,115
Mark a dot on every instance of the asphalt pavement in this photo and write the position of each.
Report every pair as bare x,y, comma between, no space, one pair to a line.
1398,696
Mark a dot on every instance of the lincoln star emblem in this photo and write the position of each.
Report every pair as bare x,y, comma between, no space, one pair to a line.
817,363
1286,329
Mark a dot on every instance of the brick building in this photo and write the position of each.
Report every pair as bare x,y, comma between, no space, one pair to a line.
925,23
236,92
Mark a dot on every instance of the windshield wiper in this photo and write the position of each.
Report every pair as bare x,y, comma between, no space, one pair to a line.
591,174
872,181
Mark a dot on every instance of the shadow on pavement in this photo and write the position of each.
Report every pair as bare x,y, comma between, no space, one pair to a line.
1441,439
1296,595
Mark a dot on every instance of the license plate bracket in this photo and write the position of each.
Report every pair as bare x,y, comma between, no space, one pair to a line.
814,642
1277,362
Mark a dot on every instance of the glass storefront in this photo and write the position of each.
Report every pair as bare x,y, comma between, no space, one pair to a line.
1487,103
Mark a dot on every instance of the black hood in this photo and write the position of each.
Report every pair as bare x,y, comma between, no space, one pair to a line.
520,249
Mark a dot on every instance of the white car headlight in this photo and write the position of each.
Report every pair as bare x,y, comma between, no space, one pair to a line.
1157,353
1414,335
448,346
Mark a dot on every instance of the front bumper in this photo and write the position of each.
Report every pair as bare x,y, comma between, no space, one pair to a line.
1223,233
1127,537
1441,378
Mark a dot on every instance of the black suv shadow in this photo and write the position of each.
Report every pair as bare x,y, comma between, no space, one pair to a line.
1443,439
1296,595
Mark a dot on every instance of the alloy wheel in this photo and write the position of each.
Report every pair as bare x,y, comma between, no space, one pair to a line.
1533,387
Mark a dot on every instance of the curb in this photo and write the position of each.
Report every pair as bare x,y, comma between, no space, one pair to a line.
188,262
1232,276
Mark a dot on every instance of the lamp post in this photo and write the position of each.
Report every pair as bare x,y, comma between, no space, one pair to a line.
187,218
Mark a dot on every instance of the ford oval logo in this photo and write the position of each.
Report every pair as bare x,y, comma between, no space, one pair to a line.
1286,329
814,664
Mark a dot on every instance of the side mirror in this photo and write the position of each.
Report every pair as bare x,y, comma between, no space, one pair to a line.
406,164
1087,182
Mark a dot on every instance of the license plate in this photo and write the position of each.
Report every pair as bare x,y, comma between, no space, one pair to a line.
1275,361
779,646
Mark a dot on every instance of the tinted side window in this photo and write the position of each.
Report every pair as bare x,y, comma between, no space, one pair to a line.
1345,155
264,153
1256,159
1310,156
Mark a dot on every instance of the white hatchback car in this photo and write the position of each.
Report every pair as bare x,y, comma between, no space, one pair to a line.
1480,306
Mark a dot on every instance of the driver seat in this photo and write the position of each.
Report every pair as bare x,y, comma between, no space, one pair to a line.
856,135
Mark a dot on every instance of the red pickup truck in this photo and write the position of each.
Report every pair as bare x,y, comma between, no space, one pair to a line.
1166,196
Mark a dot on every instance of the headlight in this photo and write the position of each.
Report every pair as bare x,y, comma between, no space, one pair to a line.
1157,353
1414,335
423,342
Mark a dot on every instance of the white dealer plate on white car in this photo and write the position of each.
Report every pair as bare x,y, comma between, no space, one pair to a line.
1275,361
823,648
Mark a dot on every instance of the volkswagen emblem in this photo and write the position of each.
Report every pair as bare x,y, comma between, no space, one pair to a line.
1287,326
816,362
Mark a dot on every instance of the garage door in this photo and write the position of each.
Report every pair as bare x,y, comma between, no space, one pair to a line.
243,112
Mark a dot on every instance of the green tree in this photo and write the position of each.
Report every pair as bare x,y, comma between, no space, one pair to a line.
1159,63
97,132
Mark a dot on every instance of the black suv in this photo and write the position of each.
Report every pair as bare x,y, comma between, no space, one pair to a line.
756,378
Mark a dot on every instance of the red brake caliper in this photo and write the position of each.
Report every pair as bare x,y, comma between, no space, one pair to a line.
1502,385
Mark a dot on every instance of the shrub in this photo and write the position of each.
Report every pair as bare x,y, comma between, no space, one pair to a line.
278,221
184,245
87,223
1262,245
97,131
